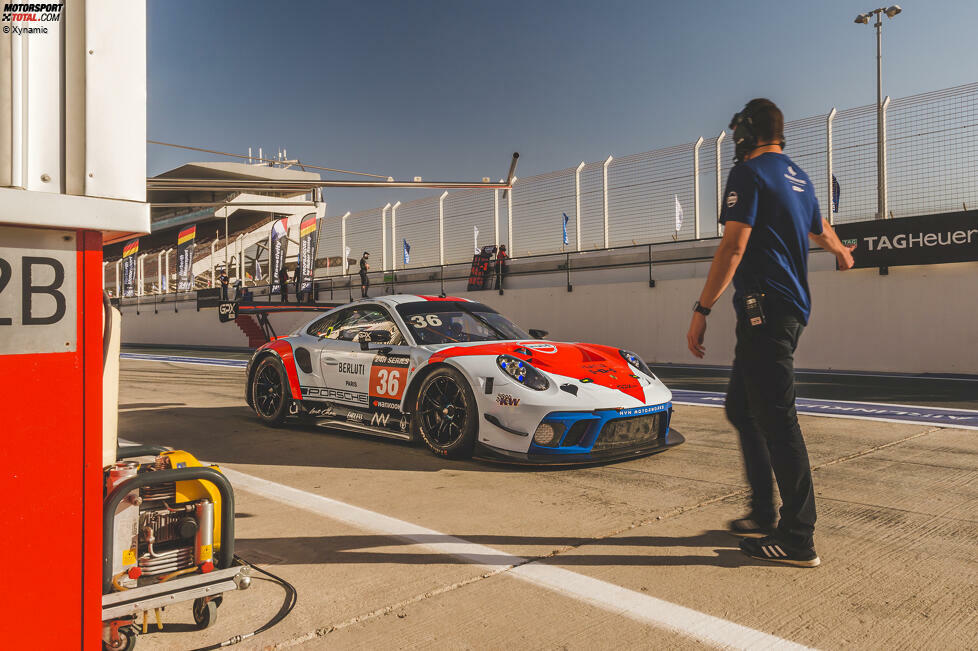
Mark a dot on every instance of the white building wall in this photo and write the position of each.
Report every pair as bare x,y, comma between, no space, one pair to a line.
915,320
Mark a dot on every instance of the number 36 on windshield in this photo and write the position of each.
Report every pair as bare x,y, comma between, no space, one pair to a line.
424,320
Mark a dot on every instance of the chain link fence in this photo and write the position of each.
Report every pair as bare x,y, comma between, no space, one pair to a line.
931,144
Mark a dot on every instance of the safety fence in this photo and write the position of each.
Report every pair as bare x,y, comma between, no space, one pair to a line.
931,154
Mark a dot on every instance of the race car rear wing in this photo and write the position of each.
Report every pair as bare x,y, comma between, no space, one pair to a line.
231,310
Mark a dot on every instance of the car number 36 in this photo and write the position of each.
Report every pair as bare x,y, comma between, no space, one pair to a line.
422,320
388,382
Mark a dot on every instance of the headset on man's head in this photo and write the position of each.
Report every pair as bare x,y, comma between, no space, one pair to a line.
742,125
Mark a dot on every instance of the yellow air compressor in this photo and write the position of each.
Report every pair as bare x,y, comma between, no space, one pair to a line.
167,537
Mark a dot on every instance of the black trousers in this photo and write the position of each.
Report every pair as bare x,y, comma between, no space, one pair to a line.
364,284
761,405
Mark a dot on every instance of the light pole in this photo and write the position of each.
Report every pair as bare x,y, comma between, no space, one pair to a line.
863,19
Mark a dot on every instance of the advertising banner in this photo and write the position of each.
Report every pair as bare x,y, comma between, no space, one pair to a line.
927,239
129,252
280,232
307,251
185,258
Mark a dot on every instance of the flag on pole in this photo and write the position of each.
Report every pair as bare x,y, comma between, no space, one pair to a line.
836,192
129,254
566,219
258,275
475,237
407,252
679,214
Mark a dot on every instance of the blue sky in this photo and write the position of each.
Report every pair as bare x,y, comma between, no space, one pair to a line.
448,90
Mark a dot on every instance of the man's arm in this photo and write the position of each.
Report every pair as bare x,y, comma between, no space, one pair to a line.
829,241
726,259
725,262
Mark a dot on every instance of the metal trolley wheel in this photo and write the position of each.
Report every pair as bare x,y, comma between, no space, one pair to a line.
126,640
446,417
205,612
270,395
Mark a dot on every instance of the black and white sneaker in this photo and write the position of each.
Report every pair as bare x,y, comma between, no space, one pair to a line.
748,528
772,549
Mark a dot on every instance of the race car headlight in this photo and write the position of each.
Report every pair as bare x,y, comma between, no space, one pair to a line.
522,372
636,361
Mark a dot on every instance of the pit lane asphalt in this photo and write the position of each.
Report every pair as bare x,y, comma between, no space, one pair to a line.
897,532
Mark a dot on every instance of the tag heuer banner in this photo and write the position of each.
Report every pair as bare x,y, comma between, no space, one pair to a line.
280,232
129,252
928,239
307,251
185,258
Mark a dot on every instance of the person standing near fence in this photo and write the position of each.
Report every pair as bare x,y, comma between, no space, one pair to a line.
283,284
364,280
224,280
501,258
769,211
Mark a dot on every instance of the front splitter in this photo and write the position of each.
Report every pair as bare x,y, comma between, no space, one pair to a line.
490,453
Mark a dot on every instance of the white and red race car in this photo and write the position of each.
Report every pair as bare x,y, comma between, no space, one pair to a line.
463,379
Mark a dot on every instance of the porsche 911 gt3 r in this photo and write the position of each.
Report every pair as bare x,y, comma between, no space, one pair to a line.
463,379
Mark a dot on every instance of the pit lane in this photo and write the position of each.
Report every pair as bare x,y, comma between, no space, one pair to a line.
897,532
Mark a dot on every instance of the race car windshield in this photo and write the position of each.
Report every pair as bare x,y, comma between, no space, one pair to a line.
448,322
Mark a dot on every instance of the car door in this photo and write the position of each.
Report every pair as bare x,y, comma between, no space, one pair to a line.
345,368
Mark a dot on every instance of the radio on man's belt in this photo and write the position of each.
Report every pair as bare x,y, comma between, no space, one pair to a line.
754,308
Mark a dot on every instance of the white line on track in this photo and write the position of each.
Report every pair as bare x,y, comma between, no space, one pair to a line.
602,594
942,424
889,376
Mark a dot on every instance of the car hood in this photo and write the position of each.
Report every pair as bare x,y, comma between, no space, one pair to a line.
589,363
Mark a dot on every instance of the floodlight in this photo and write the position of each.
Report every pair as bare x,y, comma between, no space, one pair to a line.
862,19
893,11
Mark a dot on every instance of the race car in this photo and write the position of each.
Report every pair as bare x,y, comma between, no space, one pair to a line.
463,379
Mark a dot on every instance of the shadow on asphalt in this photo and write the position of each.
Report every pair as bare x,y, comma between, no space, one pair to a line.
314,550
234,435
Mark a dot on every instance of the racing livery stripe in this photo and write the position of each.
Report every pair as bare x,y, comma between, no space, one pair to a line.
284,350
602,365
444,298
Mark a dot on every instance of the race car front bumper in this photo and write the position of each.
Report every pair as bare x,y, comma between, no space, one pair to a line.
575,437
533,458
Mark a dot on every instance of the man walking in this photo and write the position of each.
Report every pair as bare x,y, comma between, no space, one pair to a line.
770,211
364,268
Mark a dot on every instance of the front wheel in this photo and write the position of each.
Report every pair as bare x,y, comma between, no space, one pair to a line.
270,394
446,417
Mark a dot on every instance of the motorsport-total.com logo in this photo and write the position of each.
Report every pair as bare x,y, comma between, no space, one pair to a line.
25,17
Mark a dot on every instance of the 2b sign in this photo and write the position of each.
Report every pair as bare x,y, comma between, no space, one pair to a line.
38,291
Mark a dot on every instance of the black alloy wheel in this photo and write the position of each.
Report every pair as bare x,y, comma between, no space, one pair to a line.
270,395
446,417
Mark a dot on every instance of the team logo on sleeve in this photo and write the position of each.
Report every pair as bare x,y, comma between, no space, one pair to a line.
732,199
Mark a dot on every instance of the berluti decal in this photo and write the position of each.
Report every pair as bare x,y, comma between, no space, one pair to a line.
927,239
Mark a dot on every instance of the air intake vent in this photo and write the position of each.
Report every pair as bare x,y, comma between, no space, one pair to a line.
303,359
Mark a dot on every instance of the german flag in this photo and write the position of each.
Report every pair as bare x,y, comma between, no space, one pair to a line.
187,235
130,248
308,225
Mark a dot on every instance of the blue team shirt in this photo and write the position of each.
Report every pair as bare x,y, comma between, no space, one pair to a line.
776,198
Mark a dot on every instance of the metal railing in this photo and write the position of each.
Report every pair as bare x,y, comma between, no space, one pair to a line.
932,167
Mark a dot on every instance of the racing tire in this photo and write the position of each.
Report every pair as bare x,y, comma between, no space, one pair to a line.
270,395
446,417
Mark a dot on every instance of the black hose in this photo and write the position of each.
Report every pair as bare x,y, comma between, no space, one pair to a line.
291,597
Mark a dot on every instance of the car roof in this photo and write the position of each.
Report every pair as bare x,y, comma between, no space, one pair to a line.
398,299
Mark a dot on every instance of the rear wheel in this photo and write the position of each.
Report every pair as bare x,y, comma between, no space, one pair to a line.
270,395
445,415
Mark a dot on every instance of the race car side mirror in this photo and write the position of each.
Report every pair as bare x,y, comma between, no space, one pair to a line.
538,334
375,337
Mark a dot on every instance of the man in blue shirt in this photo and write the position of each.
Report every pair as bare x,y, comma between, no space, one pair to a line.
769,211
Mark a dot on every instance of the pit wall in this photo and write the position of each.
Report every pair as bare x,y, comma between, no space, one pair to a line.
921,319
